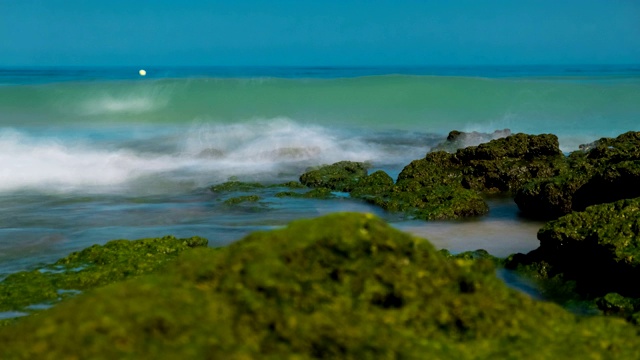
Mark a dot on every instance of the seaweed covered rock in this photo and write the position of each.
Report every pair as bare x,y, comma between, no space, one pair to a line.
427,189
374,184
611,183
341,176
504,165
432,203
94,266
598,249
342,286
604,171
435,169
450,186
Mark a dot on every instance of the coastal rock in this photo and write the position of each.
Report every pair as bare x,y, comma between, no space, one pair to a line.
342,286
598,248
375,184
94,266
450,186
341,176
505,164
614,182
427,189
604,171
616,304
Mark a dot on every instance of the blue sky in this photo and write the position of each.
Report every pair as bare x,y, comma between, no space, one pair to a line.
329,32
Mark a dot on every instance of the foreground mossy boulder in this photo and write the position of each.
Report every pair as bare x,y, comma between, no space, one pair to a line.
341,286
604,171
95,266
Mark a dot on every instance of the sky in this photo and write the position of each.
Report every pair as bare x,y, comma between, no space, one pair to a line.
318,33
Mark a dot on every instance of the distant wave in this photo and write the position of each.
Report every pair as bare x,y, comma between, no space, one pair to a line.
427,103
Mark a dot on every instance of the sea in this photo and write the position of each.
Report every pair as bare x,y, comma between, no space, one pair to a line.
88,155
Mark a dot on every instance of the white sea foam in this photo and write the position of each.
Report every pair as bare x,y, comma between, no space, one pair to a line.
201,155
49,164
277,140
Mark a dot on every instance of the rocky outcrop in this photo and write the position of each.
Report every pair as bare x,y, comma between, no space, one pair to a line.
341,176
604,171
598,250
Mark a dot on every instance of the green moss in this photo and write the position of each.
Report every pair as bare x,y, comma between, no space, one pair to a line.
614,303
605,171
599,247
437,203
377,183
341,176
341,286
94,266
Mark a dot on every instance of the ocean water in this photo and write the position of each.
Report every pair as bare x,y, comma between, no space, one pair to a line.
93,154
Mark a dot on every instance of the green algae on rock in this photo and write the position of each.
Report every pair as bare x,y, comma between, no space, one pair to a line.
341,176
585,256
599,247
342,286
505,164
94,266
450,185
427,188
605,171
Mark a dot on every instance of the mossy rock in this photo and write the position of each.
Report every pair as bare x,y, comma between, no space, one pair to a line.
94,266
426,189
377,183
342,286
504,165
341,176
607,235
612,150
598,249
612,183
435,169
604,171
517,146
549,198
616,304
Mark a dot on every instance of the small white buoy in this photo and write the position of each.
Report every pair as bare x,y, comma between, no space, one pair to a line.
142,72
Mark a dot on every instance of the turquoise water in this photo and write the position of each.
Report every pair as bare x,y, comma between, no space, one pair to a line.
89,155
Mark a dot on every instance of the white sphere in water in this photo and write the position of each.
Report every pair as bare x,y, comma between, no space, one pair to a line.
142,72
